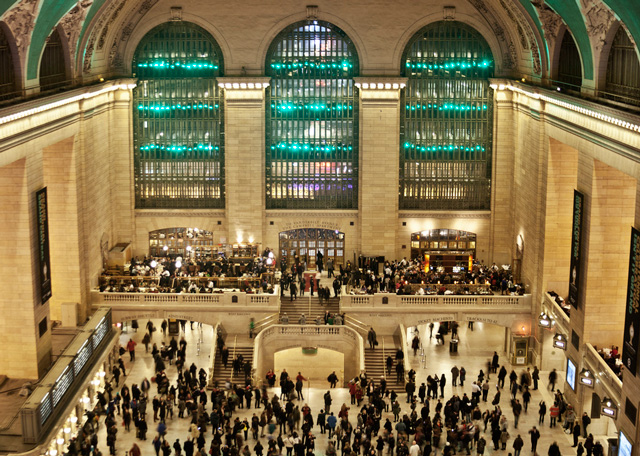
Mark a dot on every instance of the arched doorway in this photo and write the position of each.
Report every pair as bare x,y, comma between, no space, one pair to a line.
306,242
444,250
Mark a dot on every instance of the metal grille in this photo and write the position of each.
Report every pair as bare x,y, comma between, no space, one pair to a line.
446,120
7,72
312,119
623,70
569,64
178,119
52,66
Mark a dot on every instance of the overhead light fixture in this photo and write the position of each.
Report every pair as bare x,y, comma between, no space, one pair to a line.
587,378
560,341
609,408
545,321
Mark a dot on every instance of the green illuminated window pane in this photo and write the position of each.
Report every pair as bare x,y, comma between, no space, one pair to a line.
311,119
446,126
178,119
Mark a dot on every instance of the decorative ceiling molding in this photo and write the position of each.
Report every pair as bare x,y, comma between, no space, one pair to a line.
100,30
21,20
525,33
551,23
72,24
598,19
119,43
445,215
509,53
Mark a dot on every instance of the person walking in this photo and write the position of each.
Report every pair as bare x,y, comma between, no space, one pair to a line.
535,436
542,411
131,348
518,443
372,338
454,375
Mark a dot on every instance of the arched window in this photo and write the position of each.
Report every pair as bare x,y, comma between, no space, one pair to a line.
569,64
52,66
7,72
312,119
178,122
446,120
623,70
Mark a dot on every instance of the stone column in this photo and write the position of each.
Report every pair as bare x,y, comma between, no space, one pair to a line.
244,157
379,159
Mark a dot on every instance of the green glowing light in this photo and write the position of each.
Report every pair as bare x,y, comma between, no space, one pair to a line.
343,65
177,107
285,107
445,107
307,147
179,148
164,65
442,147
449,65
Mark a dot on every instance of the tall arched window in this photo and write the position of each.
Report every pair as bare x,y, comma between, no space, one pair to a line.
446,121
569,64
178,123
312,119
52,66
7,72
623,70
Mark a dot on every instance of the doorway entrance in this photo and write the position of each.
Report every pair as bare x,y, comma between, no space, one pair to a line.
306,242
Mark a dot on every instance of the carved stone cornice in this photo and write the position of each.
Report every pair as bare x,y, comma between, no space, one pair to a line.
526,35
310,215
179,213
72,24
21,20
598,19
509,52
550,21
445,215
100,30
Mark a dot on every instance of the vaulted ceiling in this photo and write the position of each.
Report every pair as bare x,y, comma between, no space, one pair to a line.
31,23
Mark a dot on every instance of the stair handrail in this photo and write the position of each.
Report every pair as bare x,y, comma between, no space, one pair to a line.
217,329
263,322
235,344
356,324
384,365
403,339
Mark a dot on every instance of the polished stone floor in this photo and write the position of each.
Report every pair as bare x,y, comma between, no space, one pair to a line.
475,348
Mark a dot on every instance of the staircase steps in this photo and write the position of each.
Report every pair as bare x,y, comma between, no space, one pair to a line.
311,307
222,374
375,365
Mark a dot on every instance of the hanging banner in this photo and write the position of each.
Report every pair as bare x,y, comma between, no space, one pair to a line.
43,244
632,316
576,237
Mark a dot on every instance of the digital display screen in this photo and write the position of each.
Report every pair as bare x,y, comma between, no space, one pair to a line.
624,445
571,374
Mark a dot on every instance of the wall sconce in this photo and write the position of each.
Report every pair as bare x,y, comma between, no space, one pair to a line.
560,341
545,321
586,378
609,408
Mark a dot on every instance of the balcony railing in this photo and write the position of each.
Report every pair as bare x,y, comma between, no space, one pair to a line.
384,300
65,377
603,373
186,299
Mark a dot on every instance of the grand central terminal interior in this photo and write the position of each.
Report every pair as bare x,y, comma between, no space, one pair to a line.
204,195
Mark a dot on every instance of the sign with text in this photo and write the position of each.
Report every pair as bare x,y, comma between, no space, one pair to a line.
632,308
43,244
576,245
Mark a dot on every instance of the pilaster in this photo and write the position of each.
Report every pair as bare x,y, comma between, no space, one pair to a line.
244,157
379,158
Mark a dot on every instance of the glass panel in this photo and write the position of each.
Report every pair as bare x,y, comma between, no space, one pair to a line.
472,244
7,72
312,243
312,119
446,135
462,245
330,252
330,243
569,64
52,66
623,70
178,119
339,253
